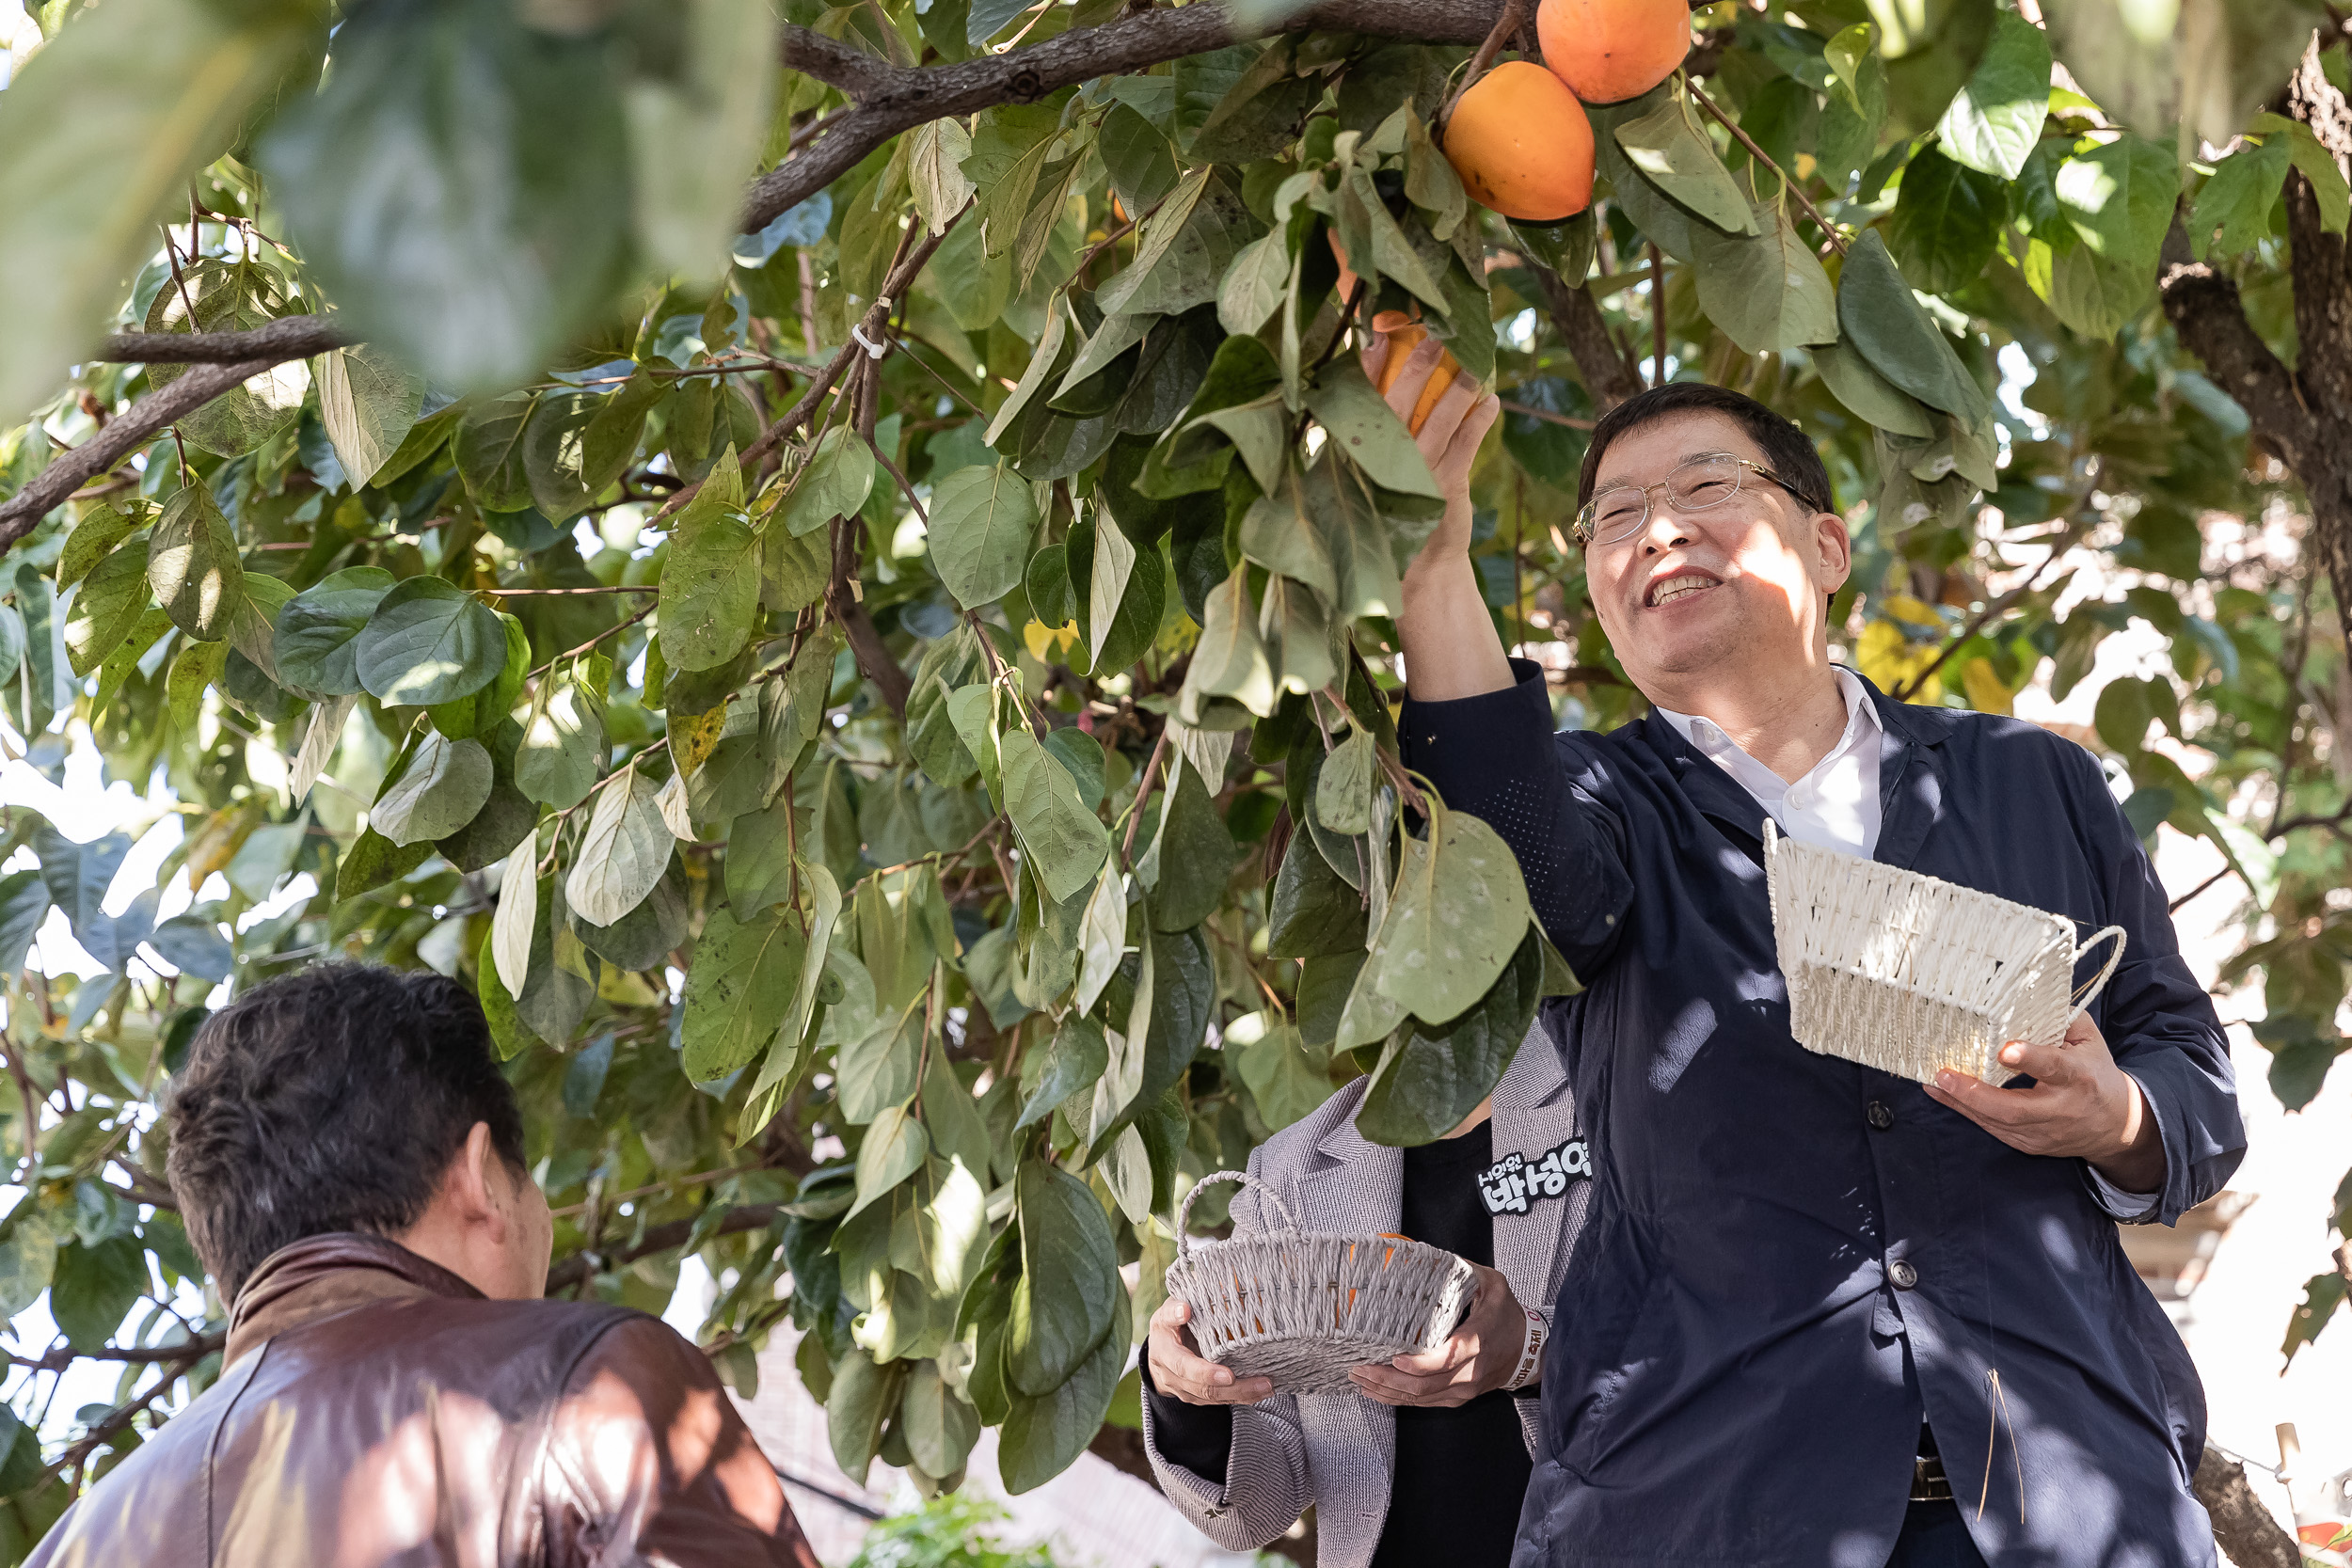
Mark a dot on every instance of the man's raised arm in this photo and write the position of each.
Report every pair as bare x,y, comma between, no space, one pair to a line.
1451,649
1478,724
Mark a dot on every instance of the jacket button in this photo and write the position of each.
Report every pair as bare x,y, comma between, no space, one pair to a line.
1902,1273
1879,1116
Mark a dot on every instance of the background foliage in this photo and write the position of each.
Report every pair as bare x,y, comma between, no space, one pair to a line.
884,683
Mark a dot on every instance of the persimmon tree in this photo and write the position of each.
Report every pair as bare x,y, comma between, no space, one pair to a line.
837,566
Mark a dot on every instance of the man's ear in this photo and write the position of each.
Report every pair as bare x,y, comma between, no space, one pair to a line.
1834,547
469,1180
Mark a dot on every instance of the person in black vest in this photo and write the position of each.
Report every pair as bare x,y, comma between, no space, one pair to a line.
1426,1460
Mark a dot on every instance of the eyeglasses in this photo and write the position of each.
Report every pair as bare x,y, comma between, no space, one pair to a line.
1619,511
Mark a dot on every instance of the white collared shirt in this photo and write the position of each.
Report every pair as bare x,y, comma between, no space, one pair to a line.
1836,806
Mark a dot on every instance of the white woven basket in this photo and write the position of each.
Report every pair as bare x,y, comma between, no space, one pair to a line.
1306,1309
1910,974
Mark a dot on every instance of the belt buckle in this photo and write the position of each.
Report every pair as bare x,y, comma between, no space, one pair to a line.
1929,1484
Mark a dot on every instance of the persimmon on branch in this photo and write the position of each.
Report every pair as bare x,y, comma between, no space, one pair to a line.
890,99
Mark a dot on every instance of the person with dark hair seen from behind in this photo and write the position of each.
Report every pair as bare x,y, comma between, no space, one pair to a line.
349,1163
1819,1315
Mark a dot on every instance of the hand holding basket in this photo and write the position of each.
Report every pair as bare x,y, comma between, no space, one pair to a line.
1304,1310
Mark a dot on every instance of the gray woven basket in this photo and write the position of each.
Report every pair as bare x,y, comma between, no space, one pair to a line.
1306,1309
1910,974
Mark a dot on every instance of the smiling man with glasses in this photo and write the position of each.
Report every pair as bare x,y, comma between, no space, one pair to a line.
1819,1315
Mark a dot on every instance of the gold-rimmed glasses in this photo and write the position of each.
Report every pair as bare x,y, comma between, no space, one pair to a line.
1618,511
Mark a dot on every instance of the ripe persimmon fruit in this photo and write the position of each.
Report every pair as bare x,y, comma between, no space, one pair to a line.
1608,51
1521,142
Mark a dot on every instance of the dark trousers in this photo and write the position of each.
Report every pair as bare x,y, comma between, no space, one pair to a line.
1935,1536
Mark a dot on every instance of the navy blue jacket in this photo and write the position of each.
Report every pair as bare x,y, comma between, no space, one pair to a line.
1734,1379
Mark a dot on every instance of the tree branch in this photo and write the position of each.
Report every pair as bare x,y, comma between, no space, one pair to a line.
565,1273
891,98
1606,372
288,337
124,434
2205,311
2242,1527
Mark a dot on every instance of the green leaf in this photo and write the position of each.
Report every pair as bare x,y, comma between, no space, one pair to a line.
2238,198
1326,983
429,642
2318,165
555,453
1896,335
369,403
893,1150
1947,220
2119,199
461,186
316,634
1314,910
193,562
28,1261
1230,659
1428,1078
1065,842
697,119
1868,395
1075,1057
1186,247
744,974
1996,118
1043,1435
102,526
2323,1295
709,600
95,1288
940,1426
1671,152
492,441
623,853
1254,285
103,127
374,861
1287,1081
562,754
508,1032
983,520
1343,800
24,905
1455,918
444,784
1363,426
835,483
1276,534
1069,1292
854,1412
111,600
1115,641
877,1069
1196,855
1138,156
936,172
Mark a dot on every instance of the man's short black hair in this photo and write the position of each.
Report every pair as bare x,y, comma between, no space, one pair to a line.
332,1099
1787,449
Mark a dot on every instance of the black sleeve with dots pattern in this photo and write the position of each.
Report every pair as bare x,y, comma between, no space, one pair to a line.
1495,756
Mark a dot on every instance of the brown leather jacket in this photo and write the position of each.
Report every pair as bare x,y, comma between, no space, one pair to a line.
376,1410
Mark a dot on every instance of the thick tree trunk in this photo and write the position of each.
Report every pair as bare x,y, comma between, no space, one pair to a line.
1608,375
2242,1527
2323,325
2304,414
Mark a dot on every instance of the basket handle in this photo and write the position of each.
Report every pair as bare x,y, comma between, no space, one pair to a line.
1183,1214
2088,991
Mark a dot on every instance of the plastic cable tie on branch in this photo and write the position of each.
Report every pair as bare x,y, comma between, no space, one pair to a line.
873,350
